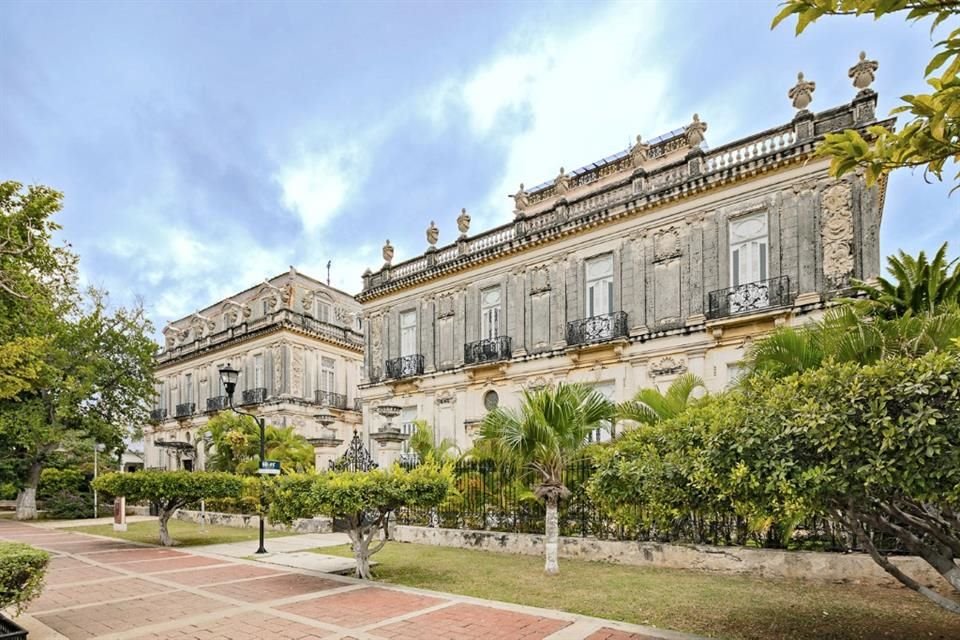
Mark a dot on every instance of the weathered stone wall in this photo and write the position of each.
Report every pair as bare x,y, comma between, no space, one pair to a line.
241,521
768,563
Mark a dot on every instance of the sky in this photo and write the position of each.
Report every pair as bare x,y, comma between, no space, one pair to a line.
205,146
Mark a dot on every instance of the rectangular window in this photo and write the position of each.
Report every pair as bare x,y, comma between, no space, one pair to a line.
258,379
490,311
407,425
188,388
266,306
608,430
408,333
748,249
328,375
599,281
323,311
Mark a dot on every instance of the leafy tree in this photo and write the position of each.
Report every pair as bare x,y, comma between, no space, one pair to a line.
652,405
22,569
170,490
235,442
932,137
545,435
365,499
919,286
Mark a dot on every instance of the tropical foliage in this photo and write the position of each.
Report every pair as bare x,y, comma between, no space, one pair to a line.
423,443
918,286
235,442
651,405
364,499
22,569
170,490
931,138
546,434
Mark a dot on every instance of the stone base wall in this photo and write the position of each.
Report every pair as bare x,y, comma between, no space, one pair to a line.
855,568
241,521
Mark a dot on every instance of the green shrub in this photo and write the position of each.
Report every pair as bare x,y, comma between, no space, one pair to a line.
22,569
54,481
69,505
8,491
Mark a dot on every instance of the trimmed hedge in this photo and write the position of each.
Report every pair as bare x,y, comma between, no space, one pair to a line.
22,569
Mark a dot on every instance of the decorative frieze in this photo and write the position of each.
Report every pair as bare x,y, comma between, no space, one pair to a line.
668,366
666,244
837,234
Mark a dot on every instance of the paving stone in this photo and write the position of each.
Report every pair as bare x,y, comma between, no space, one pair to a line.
470,621
243,626
274,588
606,633
58,596
218,574
362,607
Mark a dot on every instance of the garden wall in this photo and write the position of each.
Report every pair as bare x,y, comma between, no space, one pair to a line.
311,525
768,563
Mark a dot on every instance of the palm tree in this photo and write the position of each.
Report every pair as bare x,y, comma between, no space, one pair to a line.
650,405
423,443
546,434
918,285
235,444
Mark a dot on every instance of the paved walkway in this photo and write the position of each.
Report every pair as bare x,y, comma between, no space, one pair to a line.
114,590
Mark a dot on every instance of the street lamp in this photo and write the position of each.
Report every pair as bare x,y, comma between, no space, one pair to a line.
229,377
97,448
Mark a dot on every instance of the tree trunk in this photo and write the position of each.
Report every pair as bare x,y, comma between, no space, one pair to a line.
27,498
164,533
553,535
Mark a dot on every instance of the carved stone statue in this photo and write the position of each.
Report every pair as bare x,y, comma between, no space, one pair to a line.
639,152
520,199
802,93
387,253
287,294
562,183
463,222
433,234
695,132
862,73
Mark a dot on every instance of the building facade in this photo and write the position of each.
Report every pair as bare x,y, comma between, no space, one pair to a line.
665,258
298,345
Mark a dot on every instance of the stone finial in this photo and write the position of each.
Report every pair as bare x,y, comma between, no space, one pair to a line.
562,182
463,222
387,253
863,73
639,152
695,132
802,93
433,234
520,199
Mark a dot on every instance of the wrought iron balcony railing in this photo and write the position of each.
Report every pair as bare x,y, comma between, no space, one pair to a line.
489,350
405,366
158,415
330,399
254,396
597,329
185,409
750,297
218,403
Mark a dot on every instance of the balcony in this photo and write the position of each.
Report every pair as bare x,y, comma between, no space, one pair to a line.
185,409
405,366
330,399
254,396
597,329
489,350
218,403
158,415
750,298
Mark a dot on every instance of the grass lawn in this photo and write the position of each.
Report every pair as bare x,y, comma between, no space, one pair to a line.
713,605
184,534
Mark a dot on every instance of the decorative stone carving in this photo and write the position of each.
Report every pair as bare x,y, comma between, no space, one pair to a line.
562,183
532,384
277,370
802,93
445,306
666,244
342,315
446,397
296,373
463,222
307,302
667,366
837,234
539,279
639,152
694,132
863,73
433,234
521,199
286,296
387,253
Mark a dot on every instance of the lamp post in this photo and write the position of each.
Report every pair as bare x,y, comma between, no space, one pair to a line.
229,377
97,448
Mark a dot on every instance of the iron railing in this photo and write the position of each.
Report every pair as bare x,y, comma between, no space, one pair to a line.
405,366
356,458
254,396
597,329
185,409
218,403
750,297
489,350
156,415
330,399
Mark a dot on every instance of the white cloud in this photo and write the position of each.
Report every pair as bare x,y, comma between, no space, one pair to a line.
316,185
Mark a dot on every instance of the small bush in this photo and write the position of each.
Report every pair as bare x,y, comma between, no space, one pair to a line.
22,569
54,481
8,491
69,505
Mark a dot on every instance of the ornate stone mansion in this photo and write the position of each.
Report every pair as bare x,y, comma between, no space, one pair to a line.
298,345
665,258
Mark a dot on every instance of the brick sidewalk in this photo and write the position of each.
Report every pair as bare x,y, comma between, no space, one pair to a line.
103,588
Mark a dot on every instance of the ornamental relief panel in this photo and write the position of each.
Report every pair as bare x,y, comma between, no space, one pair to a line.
539,279
445,306
668,366
837,234
277,371
666,244
296,378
